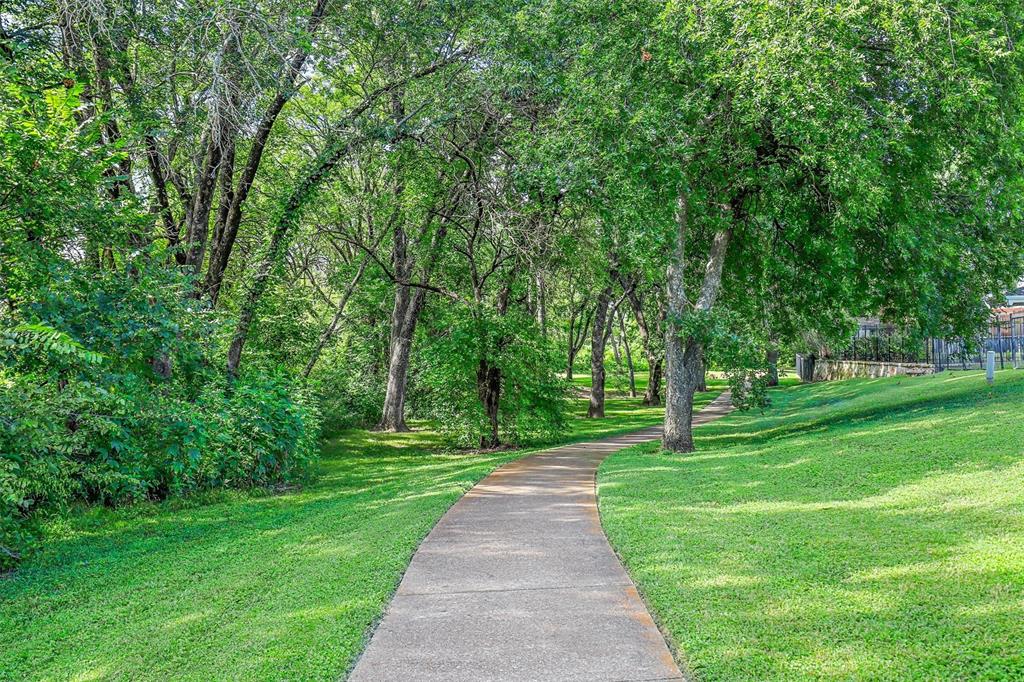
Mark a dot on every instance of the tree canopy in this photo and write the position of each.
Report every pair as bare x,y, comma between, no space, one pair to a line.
221,219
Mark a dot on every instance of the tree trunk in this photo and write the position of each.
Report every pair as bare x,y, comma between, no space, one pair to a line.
682,370
489,376
629,356
652,395
199,214
683,354
542,305
404,318
406,311
405,315
227,192
702,375
393,414
488,381
597,345
773,365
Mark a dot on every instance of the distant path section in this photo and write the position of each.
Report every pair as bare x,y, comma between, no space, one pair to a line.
518,582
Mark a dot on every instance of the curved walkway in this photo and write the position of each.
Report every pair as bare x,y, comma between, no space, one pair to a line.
517,582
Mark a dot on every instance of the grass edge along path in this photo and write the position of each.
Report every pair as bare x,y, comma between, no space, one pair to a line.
246,585
868,529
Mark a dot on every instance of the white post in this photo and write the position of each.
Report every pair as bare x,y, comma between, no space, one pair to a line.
990,367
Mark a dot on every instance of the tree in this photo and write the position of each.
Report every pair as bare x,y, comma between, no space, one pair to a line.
846,136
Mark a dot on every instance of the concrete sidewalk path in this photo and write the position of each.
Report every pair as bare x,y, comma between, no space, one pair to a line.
518,582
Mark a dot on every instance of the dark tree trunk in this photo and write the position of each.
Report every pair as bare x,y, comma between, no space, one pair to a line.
488,375
597,345
488,381
702,376
773,365
629,356
652,395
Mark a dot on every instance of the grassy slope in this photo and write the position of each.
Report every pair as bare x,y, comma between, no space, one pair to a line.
244,586
870,529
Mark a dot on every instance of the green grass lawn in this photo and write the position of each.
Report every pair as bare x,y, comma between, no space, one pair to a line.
617,381
245,586
869,529
623,415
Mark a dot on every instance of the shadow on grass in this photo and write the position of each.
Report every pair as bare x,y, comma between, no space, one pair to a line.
810,408
878,536
249,585
246,584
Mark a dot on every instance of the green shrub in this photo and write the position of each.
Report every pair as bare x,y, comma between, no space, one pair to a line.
347,390
111,393
113,444
271,436
534,400
111,390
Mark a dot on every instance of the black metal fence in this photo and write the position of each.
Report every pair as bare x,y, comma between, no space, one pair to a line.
884,343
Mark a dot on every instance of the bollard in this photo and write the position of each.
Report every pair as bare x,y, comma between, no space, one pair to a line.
990,368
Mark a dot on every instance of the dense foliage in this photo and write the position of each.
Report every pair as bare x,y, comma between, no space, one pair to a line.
226,223
108,391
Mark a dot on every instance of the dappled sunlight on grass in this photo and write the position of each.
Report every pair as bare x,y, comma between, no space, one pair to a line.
90,675
248,585
870,529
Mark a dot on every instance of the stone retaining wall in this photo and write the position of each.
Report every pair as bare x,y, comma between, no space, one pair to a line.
833,370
